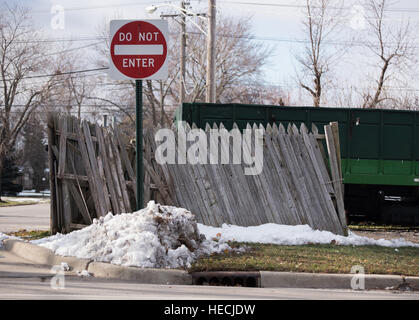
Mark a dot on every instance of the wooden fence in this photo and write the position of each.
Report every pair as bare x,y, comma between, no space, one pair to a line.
92,173
293,188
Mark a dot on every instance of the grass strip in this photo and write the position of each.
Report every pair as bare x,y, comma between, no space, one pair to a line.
314,258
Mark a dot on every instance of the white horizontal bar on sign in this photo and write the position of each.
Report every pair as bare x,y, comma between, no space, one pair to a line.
138,49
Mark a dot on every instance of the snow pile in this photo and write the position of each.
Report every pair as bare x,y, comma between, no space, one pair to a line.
4,236
83,274
294,235
154,237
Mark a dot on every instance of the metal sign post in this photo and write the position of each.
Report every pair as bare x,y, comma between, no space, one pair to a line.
139,142
138,51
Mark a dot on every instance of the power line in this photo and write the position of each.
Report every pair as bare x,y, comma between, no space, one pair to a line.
61,73
61,39
101,7
260,38
329,42
72,49
266,4
287,5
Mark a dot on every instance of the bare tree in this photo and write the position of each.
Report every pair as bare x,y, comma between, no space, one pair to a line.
392,45
239,61
320,23
21,56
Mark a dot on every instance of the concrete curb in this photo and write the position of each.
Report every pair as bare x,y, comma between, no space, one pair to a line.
44,256
270,279
41,255
143,275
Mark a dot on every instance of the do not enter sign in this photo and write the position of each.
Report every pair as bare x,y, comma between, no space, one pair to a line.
138,49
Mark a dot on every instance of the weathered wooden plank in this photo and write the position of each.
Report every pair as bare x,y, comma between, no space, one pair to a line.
101,189
187,173
70,176
166,178
268,211
297,186
335,130
66,206
315,131
90,177
106,168
321,159
157,181
114,174
224,214
51,160
81,204
312,183
287,212
60,225
65,196
324,193
63,147
121,176
228,175
287,184
55,151
305,184
320,212
105,187
294,197
196,180
147,188
182,197
247,202
336,178
72,135
125,158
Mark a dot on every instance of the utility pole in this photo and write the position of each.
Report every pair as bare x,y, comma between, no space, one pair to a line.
182,54
211,81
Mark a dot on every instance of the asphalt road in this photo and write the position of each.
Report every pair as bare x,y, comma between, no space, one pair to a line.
77,288
20,279
29,217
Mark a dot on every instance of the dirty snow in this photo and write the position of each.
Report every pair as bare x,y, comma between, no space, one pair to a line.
64,266
4,236
293,235
154,237
83,274
169,237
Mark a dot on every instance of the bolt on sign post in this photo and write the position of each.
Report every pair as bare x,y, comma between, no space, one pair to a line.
138,51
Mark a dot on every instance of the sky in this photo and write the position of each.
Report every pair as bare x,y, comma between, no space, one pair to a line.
276,23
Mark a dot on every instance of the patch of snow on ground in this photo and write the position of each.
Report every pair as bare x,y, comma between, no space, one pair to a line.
29,193
64,266
4,236
293,235
84,273
154,237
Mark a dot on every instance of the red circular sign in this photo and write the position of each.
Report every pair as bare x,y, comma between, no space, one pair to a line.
138,49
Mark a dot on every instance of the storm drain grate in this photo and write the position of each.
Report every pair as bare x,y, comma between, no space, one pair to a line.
226,278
